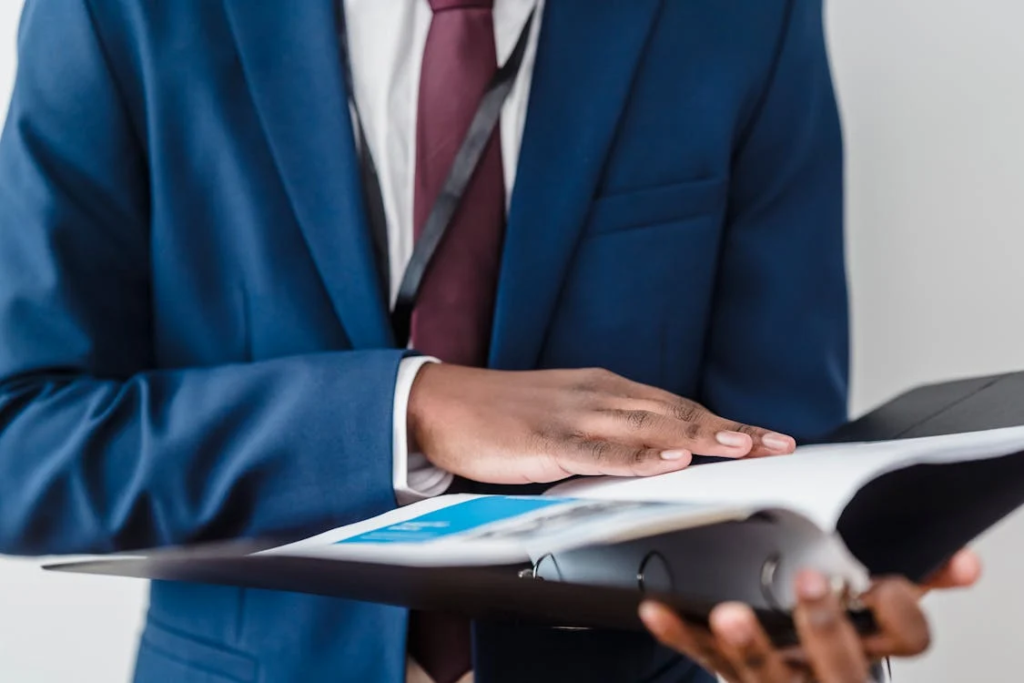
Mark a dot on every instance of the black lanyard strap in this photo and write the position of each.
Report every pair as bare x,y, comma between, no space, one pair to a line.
467,160
374,197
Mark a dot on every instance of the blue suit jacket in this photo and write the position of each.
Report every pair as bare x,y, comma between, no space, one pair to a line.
193,345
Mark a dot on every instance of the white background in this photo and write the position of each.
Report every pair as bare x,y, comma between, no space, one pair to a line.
933,101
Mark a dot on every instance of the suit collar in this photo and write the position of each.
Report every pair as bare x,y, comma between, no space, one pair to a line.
290,55
587,57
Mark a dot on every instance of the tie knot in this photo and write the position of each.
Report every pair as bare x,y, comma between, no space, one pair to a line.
443,5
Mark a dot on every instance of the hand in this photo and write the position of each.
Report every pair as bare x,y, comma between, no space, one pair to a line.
830,650
544,426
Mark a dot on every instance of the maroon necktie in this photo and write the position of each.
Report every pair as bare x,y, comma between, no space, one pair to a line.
454,310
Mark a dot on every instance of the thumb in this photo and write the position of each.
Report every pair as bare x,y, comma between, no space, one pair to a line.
962,571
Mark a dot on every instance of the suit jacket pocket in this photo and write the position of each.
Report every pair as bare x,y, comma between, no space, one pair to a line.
657,205
169,655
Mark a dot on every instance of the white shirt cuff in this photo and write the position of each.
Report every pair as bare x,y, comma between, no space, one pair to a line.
413,477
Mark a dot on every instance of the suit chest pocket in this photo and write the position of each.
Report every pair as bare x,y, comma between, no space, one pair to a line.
658,205
637,297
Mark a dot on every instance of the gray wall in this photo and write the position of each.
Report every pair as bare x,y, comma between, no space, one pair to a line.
933,100
60,628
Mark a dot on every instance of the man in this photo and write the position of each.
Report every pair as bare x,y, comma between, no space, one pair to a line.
206,208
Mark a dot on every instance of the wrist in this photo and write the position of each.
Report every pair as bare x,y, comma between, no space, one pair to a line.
417,412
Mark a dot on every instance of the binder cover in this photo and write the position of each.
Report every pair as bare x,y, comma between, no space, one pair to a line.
511,591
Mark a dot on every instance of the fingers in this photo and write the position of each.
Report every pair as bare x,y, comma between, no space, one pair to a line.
738,648
622,428
902,628
765,443
704,432
746,647
962,571
762,441
590,457
700,646
643,425
683,425
831,644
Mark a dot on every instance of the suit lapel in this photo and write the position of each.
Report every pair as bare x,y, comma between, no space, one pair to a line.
290,55
586,60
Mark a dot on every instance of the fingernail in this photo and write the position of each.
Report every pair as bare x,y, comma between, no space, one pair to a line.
811,586
650,614
733,439
732,622
778,442
649,611
675,455
966,568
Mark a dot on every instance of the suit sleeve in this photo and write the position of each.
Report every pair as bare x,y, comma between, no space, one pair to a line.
99,450
778,346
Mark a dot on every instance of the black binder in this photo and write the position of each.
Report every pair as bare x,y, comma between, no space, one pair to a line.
512,591
967,405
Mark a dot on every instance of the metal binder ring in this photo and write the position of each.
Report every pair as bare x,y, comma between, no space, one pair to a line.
768,571
654,574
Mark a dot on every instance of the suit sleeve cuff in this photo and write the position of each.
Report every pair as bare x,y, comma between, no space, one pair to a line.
413,477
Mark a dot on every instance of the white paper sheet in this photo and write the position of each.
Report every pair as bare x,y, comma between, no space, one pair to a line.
467,530
817,481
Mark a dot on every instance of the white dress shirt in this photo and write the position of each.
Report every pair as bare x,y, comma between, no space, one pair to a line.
386,42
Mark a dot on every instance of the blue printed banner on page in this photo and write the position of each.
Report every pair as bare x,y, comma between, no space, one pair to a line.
455,519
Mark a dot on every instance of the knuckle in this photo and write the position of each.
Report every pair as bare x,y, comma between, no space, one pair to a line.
597,450
560,429
546,433
755,660
886,591
687,411
543,442
745,429
693,431
918,640
639,457
591,379
895,595
902,588
638,420
824,621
